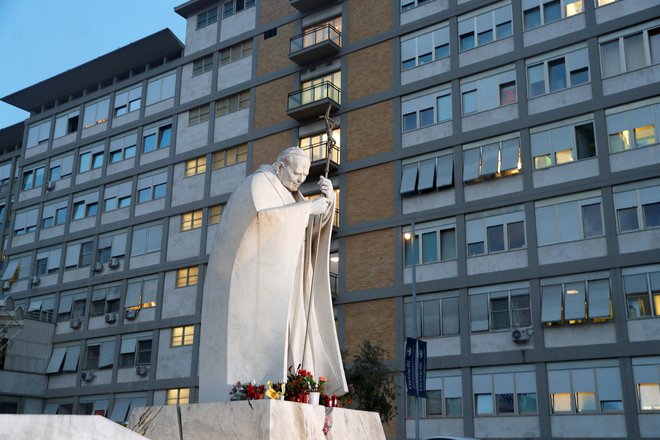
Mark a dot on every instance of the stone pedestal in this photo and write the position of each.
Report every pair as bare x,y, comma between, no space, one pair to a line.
261,419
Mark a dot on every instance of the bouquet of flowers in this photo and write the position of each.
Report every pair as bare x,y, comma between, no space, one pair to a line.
250,391
300,383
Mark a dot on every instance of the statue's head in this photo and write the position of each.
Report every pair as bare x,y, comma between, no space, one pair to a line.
292,167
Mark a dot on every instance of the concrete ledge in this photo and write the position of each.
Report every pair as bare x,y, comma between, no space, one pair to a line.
262,419
49,427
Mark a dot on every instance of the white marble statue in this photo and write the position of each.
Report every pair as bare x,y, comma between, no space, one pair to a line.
270,258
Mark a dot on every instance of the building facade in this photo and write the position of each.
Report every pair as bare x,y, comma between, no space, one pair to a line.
519,137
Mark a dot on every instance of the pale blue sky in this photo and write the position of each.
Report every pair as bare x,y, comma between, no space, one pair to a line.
42,38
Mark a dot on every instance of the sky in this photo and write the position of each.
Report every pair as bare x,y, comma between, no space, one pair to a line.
42,38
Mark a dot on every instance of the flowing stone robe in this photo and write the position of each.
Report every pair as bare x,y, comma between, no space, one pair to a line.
267,258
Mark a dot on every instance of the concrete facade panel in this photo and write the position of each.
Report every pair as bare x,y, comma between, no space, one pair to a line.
426,134
497,262
225,180
428,201
486,51
67,139
25,195
554,30
430,427
238,23
186,189
119,166
147,207
495,342
190,137
578,335
449,346
649,424
493,188
172,362
198,39
125,119
576,250
489,117
429,272
643,330
588,426
426,71
581,169
507,427
639,241
194,87
620,9
235,73
632,159
182,244
551,101
159,107
231,125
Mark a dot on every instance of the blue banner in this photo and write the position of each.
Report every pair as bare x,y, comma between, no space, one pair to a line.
410,361
421,368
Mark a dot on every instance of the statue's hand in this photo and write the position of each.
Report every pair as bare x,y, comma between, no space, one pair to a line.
318,206
327,189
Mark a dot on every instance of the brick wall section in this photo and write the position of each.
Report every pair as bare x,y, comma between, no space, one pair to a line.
273,53
270,103
370,70
370,194
369,260
368,18
370,320
369,130
266,149
273,9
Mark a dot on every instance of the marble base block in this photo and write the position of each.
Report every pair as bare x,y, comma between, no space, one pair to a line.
261,419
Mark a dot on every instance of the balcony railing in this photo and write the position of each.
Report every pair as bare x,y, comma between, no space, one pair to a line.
313,100
319,151
315,44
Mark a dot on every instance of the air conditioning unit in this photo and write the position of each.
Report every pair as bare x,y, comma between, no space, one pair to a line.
142,370
75,323
50,185
110,317
113,263
521,334
6,285
130,314
98,267
35,280
87,376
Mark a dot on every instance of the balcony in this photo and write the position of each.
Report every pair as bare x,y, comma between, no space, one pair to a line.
308,5
313,101
315,44
318,154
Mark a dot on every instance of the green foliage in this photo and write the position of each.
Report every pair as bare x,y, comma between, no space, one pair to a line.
374,389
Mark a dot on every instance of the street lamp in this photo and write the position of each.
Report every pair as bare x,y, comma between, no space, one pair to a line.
410,236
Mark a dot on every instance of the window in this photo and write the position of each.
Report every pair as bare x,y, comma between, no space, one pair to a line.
66,123
315,146
60,168
229,156
38,133
410,4
232,103
41,308
498,233
141,293
111,245
484,28
17,268
236,52
504,393
435,317
553,75
192,220
128,101
433,242
642,289
72,305
182,336
187,276
123,407
646,371
161,88
563,144
117,196
207,17
431,108
152,186
48,261
494,160
156,138
146,239
55,214
135,350
575,302
317,33
78,255
99,356
561,221
202,65
540,12
633,51
195,166
444,396
25,222
637,209
178,396
488,92
105,299
199,114
91,159
85,206
96,112
215,212
424,47
122,148
32,178
231,7
63,360
577,389
634,128
429,174
496,308
326,86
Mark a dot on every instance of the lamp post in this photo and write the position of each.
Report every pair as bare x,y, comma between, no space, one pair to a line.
410,236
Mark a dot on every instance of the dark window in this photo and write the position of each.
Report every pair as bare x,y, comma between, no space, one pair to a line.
585,140
495,238
557,73
92,357
516,235
532,18
85,254
270,33
651,215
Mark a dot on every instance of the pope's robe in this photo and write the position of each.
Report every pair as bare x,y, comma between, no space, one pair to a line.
269,257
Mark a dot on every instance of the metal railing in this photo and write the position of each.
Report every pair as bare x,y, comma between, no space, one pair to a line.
314,93
319,151
314,36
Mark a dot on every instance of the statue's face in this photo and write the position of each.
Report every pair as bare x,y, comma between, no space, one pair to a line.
293,172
